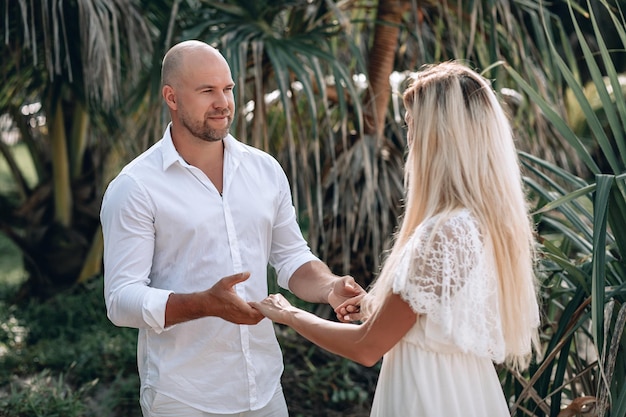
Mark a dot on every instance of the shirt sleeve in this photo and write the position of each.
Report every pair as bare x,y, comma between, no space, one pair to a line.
289,250
127,217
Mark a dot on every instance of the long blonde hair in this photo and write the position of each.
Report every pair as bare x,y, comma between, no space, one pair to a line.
461,154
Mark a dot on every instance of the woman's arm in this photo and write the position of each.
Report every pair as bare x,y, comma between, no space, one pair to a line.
364,344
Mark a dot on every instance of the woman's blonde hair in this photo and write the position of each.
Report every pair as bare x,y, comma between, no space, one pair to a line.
461,154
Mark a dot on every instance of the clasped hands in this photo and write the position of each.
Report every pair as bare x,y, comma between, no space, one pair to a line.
345,297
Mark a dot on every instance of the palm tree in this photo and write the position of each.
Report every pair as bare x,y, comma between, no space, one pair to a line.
71,58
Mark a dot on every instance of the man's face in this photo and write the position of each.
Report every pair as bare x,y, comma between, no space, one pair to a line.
206,103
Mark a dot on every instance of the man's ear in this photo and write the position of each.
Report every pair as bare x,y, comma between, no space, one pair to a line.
169,95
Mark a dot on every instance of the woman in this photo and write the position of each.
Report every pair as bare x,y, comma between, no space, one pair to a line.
457,292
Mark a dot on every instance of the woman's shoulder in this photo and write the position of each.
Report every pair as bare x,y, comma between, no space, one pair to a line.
459,222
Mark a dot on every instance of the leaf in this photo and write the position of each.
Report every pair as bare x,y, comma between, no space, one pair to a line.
600,204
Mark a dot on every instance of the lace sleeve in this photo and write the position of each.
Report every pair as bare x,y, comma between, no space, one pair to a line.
445,273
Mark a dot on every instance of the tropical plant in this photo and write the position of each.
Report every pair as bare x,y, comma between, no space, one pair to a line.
303,54
63,72
343,147
582,225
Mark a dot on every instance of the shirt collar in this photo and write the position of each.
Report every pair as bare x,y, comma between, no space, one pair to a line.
170,155
169,152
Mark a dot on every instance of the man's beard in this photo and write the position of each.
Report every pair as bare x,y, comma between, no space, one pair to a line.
202,131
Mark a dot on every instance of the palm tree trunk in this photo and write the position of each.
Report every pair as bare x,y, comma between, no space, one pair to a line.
80,128
60,168
381,64
93,261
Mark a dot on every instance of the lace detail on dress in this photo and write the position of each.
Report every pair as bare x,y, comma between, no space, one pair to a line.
447,273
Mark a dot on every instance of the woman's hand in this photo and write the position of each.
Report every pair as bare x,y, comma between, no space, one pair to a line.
350,310
275,307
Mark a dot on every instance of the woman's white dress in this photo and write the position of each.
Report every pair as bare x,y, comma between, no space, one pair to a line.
443,367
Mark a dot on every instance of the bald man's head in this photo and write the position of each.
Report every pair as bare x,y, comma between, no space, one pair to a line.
174,61
198,91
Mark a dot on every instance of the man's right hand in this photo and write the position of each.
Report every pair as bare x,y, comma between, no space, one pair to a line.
228,305
221,300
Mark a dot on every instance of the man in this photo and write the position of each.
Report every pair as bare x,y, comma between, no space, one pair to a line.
195,207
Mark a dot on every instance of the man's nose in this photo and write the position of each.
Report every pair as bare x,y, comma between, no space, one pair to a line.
221,100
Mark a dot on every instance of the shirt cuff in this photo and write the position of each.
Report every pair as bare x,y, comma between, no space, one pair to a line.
285,273
153,309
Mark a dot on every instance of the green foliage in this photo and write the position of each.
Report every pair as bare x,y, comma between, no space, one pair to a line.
11,263
317,382
43,395
582,228
62,357
61,83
